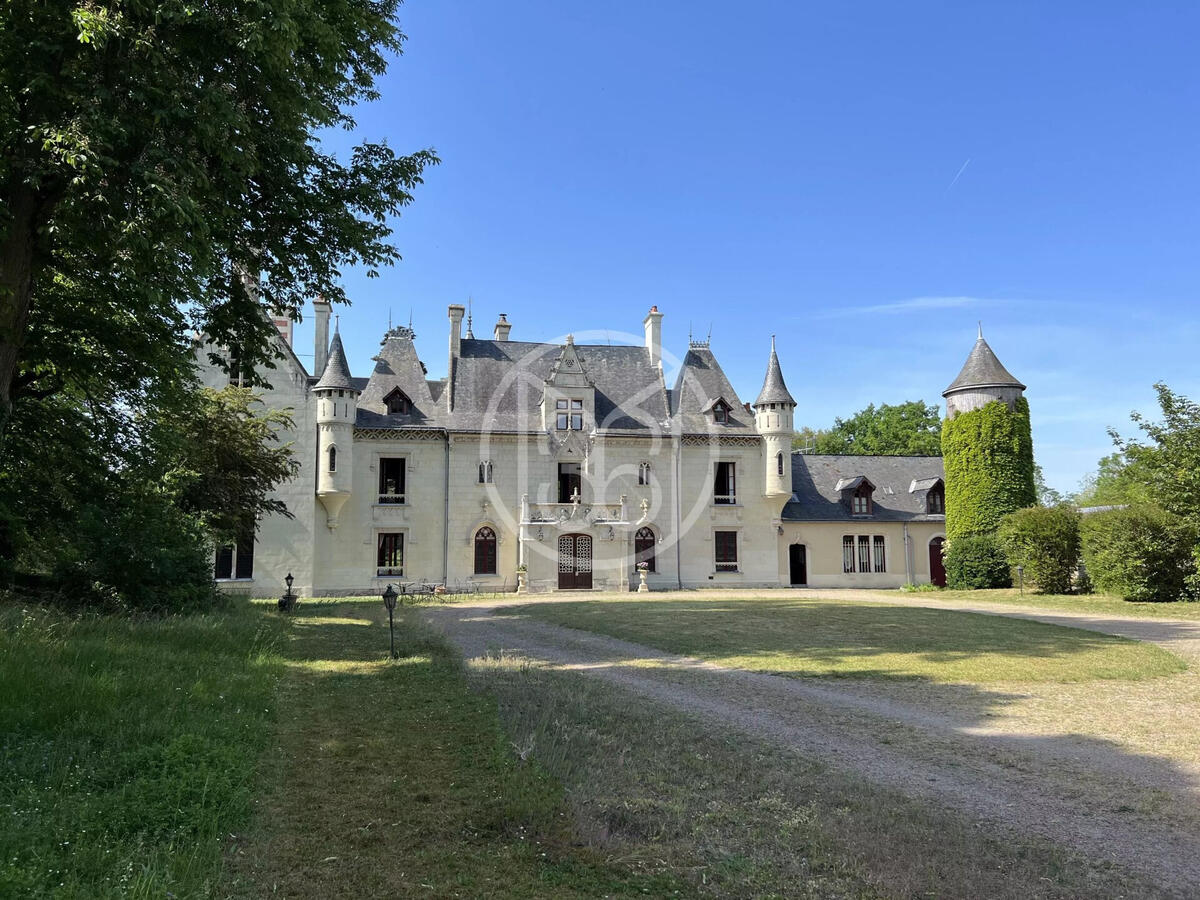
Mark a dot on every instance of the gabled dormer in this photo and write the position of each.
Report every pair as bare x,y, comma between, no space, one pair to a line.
932,492
569,396
397,403
858,493
718,410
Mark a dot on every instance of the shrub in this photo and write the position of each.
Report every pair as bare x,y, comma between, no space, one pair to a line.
1141,553
988,454
1045,541
975,562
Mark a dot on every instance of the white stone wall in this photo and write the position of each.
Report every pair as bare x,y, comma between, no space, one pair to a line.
823,544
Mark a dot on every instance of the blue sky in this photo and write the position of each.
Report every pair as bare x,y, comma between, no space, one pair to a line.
866,181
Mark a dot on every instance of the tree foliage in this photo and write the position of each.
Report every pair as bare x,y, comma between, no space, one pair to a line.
1141,552
988,455
1168,464
905,429
1045,542
150,152
1117,480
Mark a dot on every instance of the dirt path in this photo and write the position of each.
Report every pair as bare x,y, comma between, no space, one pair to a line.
1135,809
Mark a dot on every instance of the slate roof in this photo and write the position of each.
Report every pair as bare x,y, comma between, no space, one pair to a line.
699,384
397,366
774,390
498,386
337,371
816,498
982,369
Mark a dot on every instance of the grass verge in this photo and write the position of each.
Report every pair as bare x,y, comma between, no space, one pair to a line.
129,747
743,818
848,638
1088,604
392,779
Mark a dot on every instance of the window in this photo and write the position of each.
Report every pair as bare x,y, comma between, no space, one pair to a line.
238,374
485,551
485,472
235,561
644,473
568,414
725,551
880,556
864,561
391,480
643,548
570,482
861,502
935,501
397,403
848,553
721,413
333,459
724,483
779,464
391,554
864,553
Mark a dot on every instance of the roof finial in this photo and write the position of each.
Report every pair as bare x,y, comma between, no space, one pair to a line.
470,335
389,318
337,321
772,343
981,329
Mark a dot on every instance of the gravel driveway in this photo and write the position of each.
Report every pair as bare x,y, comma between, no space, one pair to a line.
1089,794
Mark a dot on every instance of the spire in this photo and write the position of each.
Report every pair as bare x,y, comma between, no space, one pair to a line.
982,370
470,335
337,371
774,390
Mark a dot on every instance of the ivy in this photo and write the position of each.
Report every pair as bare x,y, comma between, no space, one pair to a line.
988,455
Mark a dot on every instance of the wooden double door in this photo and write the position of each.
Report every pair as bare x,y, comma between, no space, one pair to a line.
574,562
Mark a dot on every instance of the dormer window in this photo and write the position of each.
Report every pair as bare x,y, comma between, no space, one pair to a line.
721,413
568,415
861,499
935,500
397,403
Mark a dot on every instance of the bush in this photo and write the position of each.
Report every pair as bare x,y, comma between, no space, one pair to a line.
976,562
1045,541
1141,553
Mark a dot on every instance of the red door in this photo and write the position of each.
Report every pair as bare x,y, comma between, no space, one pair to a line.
574,562
937,568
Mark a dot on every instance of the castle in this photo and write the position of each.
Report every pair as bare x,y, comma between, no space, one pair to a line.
563,466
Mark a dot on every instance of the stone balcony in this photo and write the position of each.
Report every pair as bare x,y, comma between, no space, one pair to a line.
577,513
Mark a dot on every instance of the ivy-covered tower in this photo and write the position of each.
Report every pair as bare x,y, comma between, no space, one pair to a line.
986,445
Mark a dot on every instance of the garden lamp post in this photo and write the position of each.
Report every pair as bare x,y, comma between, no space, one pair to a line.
389,600
1021,578
288,600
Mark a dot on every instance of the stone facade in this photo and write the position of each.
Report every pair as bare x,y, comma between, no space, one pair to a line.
568,462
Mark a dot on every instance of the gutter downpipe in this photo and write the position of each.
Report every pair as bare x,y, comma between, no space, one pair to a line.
678,514
446,516
907,556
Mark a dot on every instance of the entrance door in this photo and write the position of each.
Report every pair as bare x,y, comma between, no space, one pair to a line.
798,563
937,568
574,562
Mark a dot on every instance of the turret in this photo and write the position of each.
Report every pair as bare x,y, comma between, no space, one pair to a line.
337,401
983,379
773,411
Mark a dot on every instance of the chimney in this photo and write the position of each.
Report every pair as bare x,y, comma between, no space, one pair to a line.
456,312
653,323
322,310
502,328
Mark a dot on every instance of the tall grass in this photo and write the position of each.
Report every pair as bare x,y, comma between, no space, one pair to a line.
128,747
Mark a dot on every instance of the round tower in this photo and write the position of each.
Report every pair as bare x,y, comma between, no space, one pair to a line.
773,412
337,402
987,446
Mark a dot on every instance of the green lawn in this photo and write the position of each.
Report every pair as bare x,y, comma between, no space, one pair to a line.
1091,604
128,748
849,638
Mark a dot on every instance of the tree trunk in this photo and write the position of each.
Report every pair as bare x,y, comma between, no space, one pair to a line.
17,245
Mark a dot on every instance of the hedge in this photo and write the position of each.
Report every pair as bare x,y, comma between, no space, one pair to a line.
1045,542
988,455
1141,553
976,562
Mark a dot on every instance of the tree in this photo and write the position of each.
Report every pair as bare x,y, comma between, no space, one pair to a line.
153,153
1117,481
1044,540
1169,465
1046,495
906,429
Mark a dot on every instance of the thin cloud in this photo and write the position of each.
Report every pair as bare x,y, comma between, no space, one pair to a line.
959,175
914,304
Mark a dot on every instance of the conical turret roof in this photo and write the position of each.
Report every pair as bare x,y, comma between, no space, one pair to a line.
774,390
982,370
337,371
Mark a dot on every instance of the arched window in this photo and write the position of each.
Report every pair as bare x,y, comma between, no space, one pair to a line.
333,459
643,547
644,473
485,551
779,464
485,472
